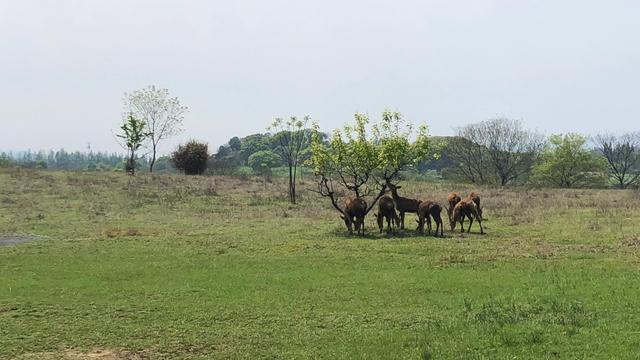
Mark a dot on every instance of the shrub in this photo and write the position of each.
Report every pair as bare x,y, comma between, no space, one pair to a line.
263,161
191,158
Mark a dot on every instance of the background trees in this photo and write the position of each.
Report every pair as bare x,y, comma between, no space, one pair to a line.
622,154
162,114
500,150
568,163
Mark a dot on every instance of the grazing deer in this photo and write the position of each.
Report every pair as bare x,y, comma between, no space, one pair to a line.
403,204
426,211
354,212
476,199
453,199
466,207
387,210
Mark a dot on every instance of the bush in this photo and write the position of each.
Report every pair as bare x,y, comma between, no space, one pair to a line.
191,158
262,161
243,172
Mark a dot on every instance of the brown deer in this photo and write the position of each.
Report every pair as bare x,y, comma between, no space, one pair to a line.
452,199
403,204
426,210
465,208
387,210
476,199
354,213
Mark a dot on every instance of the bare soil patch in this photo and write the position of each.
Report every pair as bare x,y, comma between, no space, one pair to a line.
12,239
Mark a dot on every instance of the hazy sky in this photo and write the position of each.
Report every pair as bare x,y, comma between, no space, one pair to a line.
558,65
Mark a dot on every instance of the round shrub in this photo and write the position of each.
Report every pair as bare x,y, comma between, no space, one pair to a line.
191,158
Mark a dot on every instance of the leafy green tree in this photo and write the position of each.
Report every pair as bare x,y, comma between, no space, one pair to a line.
263,161
252,144
235,144
291,138
133,134
359,162
568,163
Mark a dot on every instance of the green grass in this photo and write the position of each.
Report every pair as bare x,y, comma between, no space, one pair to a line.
176,267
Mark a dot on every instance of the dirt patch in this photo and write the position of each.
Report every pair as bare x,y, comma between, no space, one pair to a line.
13,239
95,354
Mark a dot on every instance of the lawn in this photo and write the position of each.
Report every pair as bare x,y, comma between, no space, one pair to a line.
174,267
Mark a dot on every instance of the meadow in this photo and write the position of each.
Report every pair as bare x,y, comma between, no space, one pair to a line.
172,267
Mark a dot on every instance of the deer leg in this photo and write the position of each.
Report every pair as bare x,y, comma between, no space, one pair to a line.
470,223
480,223
402,220
428,224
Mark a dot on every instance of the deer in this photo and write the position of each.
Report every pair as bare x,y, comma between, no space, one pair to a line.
465,208
476,199
354,213
426,210
403,204
452,199
387,210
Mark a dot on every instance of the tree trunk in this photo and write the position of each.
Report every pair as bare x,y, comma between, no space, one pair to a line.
291,193
153,158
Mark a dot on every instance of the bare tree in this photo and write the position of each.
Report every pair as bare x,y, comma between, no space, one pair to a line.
162,114
291,137
622,154
498,147
470,157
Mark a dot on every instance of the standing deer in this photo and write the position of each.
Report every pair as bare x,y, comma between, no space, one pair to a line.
476,199
426,211
387,210
354,213
466,207
403,205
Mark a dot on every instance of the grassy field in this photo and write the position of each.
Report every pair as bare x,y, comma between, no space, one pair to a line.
212,267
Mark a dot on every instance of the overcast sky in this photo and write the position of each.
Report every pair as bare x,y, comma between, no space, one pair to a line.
558,65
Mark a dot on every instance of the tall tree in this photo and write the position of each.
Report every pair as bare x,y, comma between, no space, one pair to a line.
501,145
162,114
622,154
133,134
291,137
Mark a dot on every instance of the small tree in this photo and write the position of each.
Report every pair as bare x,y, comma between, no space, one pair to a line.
133,134
359,163
162,114
291,137
263,161
191,158
567,163
622,154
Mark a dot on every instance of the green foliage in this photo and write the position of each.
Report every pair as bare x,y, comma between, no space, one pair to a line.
263,161
568,163
133,134
191,158
353,157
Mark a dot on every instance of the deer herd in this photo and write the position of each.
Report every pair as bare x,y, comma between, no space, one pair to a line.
392,210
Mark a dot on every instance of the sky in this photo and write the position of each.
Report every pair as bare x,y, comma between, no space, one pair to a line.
559,65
